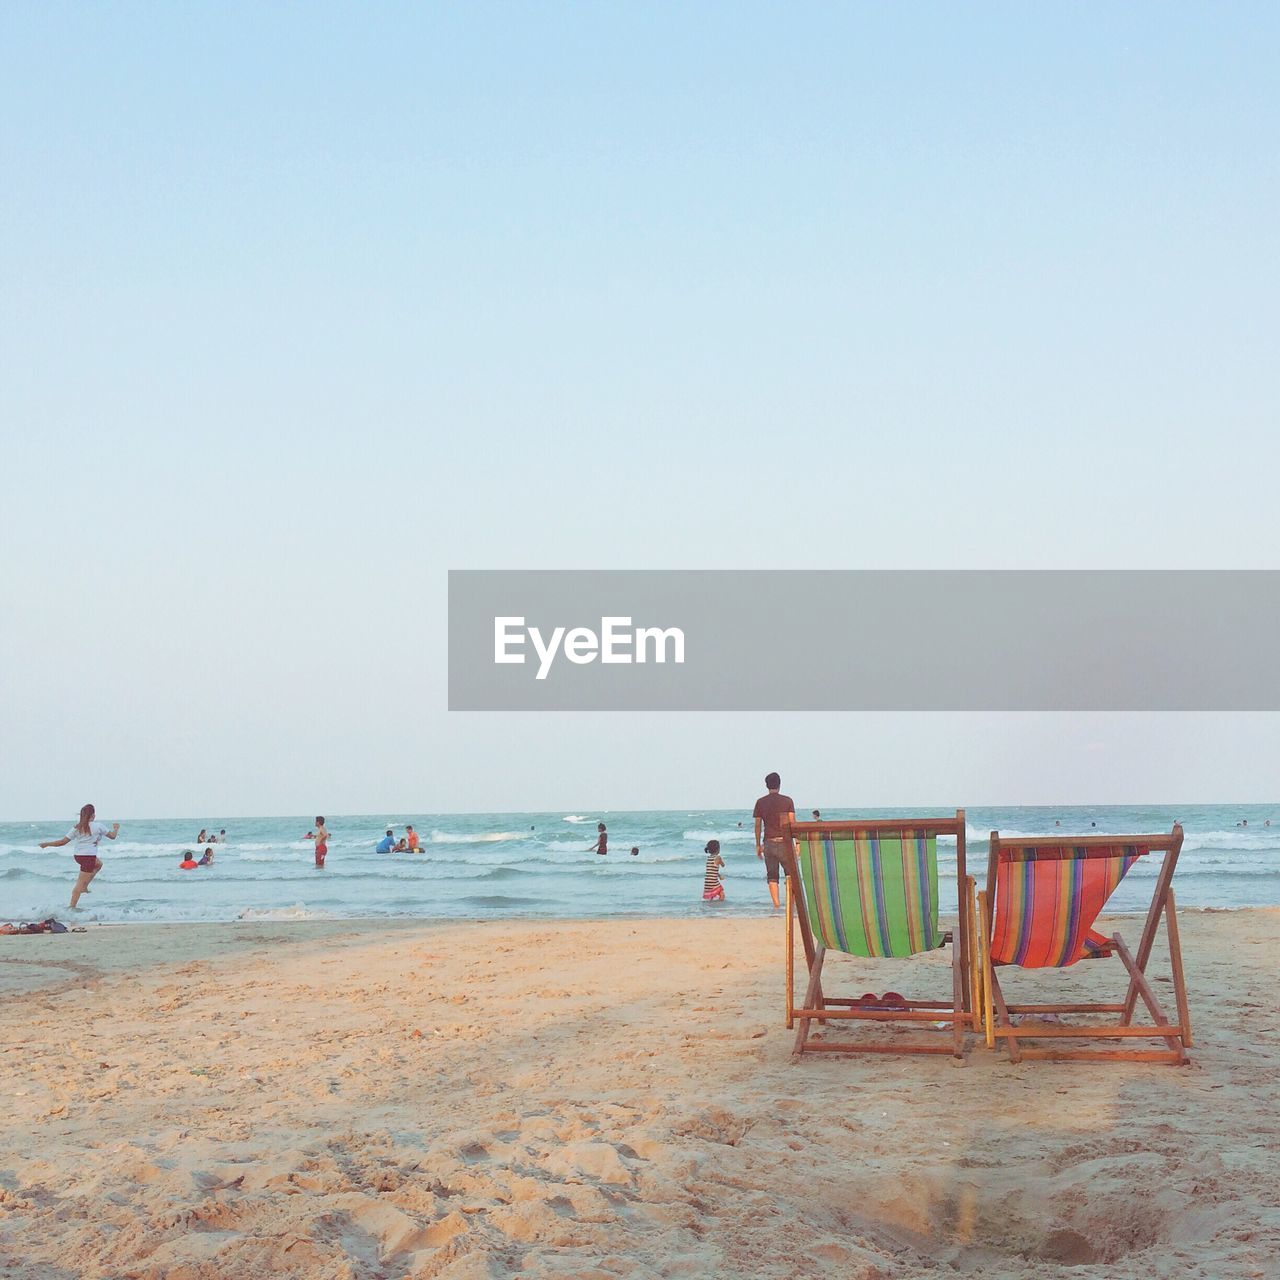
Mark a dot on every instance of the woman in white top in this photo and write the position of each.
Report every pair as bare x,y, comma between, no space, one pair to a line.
83,838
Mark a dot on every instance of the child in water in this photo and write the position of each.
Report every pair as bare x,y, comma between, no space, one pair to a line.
712,884
188,862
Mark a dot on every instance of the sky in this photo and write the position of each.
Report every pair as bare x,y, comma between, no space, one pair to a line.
305,305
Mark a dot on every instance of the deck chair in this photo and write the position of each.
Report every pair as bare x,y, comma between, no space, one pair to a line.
1043,895
870,888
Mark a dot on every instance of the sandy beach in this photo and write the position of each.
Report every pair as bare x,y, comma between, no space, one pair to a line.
597,1099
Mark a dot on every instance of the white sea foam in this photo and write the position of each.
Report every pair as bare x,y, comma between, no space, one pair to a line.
488,837
1241,838
295,912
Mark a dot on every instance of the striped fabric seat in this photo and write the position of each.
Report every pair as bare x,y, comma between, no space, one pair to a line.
1048,897
871,893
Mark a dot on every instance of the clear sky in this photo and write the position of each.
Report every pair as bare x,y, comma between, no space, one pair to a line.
304,305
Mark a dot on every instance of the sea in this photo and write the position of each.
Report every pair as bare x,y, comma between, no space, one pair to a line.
540,865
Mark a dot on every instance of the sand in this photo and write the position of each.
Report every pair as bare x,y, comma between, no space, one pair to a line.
604,1099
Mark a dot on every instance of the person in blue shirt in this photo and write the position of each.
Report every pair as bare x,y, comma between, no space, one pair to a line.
387,843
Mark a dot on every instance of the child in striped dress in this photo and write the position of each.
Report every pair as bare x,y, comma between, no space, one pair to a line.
712,885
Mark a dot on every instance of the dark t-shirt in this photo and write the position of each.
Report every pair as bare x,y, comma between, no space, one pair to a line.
773,808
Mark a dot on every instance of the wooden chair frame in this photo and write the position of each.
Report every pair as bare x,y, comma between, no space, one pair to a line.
997,1014
958,1011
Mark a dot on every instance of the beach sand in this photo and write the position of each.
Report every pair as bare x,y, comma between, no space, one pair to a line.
599,1099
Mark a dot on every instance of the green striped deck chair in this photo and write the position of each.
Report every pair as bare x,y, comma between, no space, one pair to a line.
869,888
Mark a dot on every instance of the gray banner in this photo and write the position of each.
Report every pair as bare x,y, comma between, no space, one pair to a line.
816,640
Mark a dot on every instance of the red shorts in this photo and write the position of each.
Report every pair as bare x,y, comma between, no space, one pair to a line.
321,850
87,861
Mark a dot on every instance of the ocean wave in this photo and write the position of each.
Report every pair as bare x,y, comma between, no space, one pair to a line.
289,855
26,873
148,848
500,900
488,837
295,912
107,848
1252,839
575,817
734,833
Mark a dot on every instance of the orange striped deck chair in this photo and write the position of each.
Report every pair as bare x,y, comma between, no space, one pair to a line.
869,888
1043,895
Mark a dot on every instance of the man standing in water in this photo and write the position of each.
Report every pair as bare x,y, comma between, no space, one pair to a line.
771,811
321,836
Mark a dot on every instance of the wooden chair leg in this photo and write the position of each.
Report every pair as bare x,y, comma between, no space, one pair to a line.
812,994
1139,981
791,959
988,976
1164,886
1015,1049
1179,982
975,961
957,995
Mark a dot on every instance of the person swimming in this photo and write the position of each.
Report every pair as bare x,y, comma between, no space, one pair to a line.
635,850
207,860
188,862
388,842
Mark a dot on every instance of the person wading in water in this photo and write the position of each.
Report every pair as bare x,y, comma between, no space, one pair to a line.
771,811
